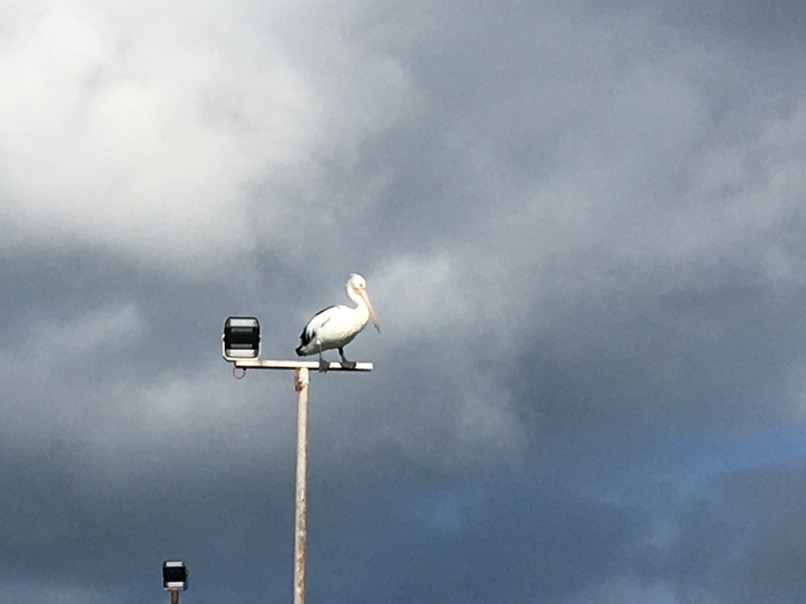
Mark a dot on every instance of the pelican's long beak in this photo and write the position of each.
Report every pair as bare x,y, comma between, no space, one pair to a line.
365,296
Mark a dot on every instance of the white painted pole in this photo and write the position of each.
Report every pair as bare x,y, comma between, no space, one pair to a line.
301,381
301,385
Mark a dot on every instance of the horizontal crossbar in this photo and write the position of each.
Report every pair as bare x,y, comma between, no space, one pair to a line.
270,364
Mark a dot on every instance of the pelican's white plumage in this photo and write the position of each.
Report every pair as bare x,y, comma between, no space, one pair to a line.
336,326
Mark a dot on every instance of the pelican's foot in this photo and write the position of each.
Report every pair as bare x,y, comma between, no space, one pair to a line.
323,365
344,362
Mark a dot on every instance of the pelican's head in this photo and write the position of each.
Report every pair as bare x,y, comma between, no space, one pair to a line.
357,284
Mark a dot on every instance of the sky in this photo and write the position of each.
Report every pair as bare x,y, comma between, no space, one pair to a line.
582,227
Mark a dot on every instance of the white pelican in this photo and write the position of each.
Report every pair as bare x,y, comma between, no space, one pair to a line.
336,326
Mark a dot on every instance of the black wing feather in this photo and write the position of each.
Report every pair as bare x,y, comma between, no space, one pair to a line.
305,337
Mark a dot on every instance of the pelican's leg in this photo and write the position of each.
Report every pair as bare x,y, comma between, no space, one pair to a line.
344,361
323,364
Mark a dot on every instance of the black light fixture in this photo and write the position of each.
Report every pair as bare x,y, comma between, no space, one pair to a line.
241,338
174,575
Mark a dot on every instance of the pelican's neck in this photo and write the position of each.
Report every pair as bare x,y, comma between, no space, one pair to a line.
357,300
362,311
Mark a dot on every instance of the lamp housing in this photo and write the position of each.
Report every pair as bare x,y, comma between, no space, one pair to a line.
174,575
241,338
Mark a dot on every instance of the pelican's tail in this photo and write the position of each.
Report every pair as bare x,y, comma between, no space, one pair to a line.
299,351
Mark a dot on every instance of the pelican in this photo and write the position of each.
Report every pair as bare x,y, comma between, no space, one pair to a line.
336,326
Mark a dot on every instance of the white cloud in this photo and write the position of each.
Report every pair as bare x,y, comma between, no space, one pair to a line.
185,141
51,370
46,345
421,294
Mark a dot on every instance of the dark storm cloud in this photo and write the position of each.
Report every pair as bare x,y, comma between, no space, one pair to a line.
68,520
475,544
641,365
744,541
581,228
776,26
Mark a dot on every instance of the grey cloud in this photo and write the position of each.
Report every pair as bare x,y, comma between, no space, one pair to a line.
742,544
580,224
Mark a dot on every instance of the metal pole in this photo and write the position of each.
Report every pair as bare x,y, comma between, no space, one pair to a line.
301,380
174,596
301,386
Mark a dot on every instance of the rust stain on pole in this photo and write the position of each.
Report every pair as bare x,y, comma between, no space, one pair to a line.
301,386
